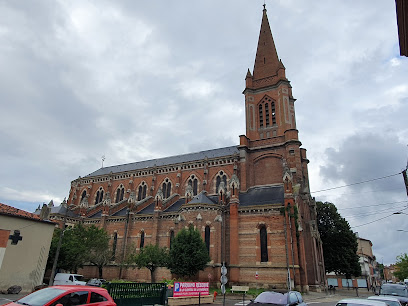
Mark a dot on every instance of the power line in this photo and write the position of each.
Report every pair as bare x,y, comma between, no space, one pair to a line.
376,179
374,212
377,219
365,192
372,205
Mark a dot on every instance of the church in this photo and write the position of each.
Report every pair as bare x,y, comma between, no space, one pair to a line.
251,202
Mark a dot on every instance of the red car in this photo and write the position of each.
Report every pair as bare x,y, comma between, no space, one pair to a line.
67,296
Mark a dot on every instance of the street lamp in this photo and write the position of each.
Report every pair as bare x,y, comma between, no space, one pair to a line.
402,231
399,213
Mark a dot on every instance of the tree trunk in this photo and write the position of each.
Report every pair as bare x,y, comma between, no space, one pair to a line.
100,268
152,279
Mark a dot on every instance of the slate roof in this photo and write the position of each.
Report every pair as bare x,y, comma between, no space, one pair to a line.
61,210
176,206
261,196
7,210
201,198
148,210
172,160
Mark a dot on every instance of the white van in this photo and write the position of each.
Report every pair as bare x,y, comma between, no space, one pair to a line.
68,279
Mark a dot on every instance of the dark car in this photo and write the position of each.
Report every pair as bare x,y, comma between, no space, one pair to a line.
66,296
277,298
396,290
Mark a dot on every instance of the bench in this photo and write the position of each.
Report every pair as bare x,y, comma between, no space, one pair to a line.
239,288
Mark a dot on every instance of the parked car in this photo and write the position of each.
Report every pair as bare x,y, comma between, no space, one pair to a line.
390,300
396,290
278,298
95,282
360,302
66,296
68,279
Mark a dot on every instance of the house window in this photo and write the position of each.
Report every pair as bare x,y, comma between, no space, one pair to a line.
166,188
120,193
221,177
193,182
264,244
142,236
99,196
207,238
142,191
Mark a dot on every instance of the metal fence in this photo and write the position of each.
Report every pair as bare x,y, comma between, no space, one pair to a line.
126,294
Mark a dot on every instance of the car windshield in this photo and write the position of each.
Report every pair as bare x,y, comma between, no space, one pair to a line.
40,297
272,298
394,290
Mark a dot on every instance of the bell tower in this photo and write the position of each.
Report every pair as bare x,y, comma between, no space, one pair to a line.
269,105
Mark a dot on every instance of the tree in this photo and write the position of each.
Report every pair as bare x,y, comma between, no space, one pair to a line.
188,253
401,267
80,245
150,257
339,242
99,254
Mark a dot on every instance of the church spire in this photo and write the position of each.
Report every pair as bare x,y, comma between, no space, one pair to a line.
266,61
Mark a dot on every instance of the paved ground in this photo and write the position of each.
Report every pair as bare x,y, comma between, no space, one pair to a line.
310,298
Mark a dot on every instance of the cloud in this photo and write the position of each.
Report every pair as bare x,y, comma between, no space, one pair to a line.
140,80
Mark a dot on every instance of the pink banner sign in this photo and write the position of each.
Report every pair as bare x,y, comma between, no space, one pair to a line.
190,289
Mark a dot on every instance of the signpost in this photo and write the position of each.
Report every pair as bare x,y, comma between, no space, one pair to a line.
224,280
181,289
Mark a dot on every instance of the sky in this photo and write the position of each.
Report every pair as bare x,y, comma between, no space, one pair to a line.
138,80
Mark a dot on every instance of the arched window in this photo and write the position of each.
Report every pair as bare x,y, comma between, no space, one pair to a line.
142,191
99,196
171,238
115,242
193,182
266,113
207,238
166,188
264,244
142,236
83,195
221,177
120,193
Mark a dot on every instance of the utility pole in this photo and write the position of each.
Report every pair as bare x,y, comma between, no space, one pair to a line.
404,174
54,265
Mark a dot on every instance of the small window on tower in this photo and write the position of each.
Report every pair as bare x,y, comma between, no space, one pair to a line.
260,116
267,114
273,113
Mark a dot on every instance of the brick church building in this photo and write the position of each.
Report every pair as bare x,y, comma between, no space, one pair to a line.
251,202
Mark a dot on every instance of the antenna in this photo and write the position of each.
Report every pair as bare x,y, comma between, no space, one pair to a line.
103,158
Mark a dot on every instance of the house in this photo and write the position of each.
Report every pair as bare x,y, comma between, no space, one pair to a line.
25,240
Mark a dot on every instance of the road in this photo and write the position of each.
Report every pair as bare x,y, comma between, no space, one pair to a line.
312,298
